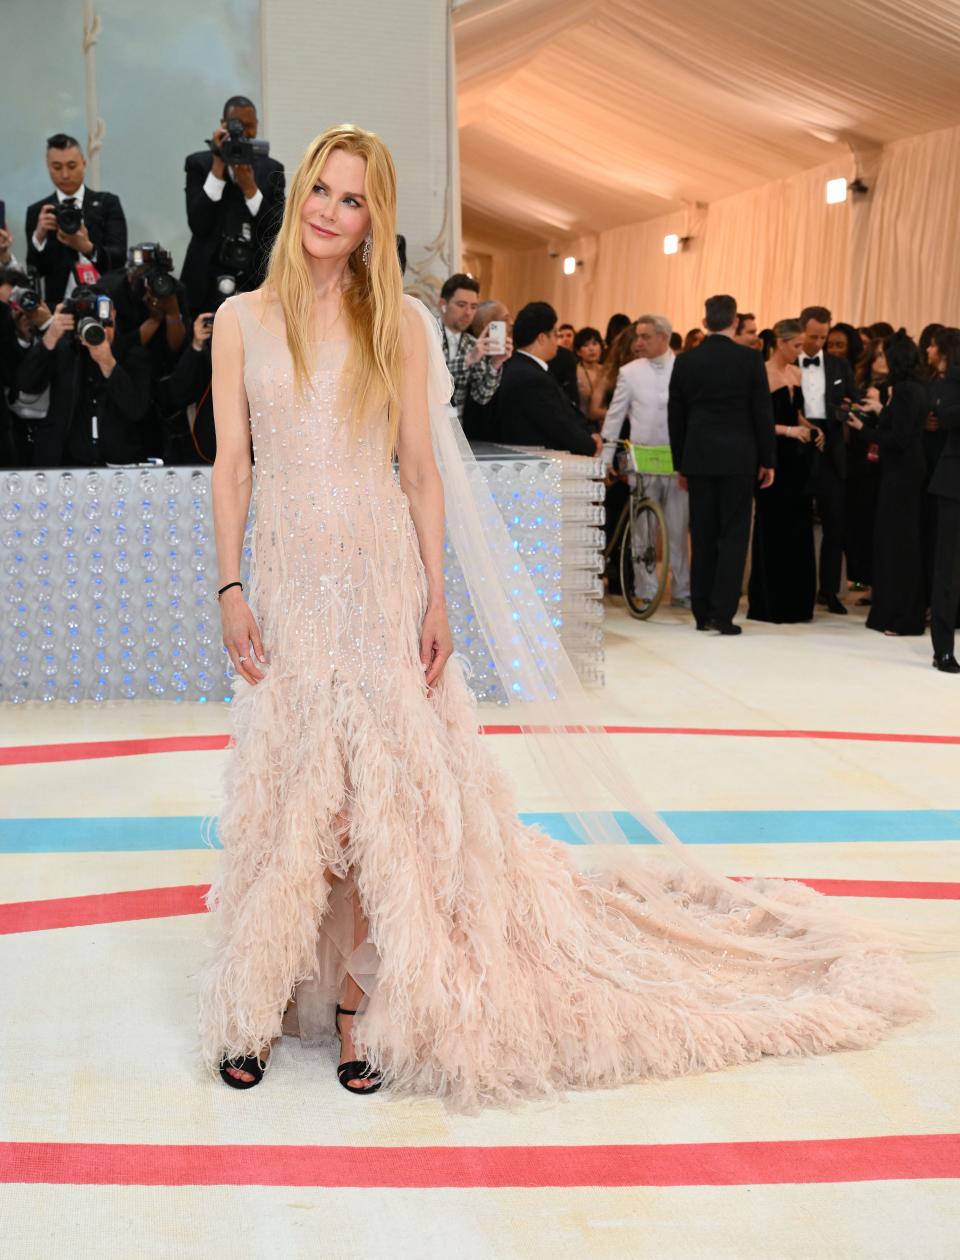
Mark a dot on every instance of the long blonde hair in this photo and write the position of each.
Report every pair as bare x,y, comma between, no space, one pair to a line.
372,301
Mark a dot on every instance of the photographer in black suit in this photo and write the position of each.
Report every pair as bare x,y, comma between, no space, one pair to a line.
150,309
98,399
530,407
76,224
828,388
721,433
234,209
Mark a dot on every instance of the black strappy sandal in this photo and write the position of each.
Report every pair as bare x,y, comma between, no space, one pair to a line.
358,1069
252,1065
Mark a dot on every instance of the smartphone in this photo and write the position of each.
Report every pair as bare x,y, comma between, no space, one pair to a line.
497,334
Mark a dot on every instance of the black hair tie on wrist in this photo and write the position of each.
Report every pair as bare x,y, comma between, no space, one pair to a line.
227,587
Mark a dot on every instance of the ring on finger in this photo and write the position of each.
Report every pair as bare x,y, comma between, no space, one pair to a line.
241,659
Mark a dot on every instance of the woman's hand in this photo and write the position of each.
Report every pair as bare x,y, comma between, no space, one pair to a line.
240,630
436,643
802,433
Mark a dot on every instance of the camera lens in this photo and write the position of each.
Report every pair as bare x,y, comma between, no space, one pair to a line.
91,332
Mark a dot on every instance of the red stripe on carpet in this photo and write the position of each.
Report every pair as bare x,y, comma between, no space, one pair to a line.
163,903
35,754
897,1158
116,907
735,733
920,890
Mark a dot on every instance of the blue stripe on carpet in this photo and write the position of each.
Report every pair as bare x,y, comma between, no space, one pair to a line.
104,835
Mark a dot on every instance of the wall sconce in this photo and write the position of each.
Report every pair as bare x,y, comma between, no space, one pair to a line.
673,244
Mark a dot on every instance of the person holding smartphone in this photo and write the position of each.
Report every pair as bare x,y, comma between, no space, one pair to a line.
475,363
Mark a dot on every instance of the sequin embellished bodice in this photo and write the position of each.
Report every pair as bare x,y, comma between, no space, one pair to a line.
335,556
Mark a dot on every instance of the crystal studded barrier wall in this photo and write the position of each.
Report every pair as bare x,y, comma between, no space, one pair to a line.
109,579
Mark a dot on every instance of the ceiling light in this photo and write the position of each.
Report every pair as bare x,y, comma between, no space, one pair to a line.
671,243
569,266
836,191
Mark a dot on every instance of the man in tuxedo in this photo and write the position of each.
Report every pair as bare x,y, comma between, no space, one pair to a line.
101,238
230,203
720,420
98,398
828,387
531,408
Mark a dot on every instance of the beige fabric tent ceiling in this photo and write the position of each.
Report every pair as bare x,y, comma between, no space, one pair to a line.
578,117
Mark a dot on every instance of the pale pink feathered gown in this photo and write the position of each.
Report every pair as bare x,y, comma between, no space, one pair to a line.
494,970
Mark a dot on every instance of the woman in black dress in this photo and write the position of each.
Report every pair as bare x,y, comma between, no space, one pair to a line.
898,586
944,489
783,575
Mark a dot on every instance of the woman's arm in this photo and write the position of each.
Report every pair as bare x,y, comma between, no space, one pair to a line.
598,411
231,480
421,482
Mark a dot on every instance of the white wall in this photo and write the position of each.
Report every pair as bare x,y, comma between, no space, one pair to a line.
163,73
386,68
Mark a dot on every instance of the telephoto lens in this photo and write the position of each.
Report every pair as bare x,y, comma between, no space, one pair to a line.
90,331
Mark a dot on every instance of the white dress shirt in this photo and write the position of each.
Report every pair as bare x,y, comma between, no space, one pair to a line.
78,197
535,359
643,388
214,187
813,383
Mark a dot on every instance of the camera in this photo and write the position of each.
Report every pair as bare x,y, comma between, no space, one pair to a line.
156,264
236,149
24,299
93,312
69,218
236,252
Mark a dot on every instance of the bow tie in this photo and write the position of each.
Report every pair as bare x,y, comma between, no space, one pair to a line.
812,362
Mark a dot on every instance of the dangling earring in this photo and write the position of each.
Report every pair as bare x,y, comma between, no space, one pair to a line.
367,246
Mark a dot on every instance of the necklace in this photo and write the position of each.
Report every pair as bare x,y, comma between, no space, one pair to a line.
332,323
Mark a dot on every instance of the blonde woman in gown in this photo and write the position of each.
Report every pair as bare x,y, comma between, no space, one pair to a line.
372,857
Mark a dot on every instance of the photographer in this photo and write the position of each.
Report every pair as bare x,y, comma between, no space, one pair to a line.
97,401
234,207
150,310
75,225
189,389
23,316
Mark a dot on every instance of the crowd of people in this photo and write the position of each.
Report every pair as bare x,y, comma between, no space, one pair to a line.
771,431
105,359
104,350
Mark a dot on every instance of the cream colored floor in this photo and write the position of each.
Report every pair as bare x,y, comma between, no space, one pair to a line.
99,1042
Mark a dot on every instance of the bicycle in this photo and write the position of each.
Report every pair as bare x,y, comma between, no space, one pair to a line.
641,533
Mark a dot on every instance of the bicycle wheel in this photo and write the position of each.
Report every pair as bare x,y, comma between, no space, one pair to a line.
644,559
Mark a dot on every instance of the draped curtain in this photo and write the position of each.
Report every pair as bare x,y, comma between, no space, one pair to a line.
776,249
594,129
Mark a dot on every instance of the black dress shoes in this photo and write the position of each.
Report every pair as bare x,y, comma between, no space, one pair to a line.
726,627
947,663
832,604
